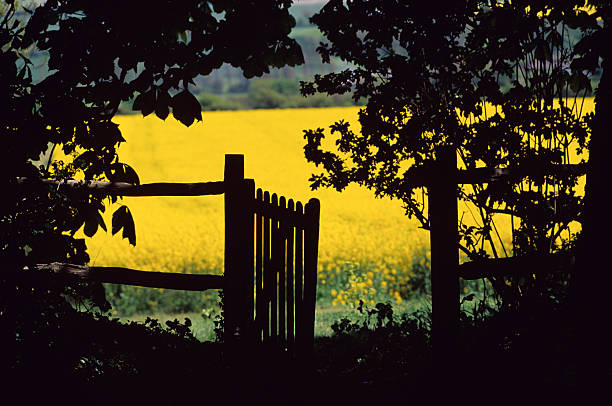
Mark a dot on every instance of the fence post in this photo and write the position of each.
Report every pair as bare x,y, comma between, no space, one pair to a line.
444,261
238,293
311,253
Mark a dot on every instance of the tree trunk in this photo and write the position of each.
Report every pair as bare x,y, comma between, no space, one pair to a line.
592,279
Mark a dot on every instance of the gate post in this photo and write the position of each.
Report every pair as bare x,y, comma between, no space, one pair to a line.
444,240
238,264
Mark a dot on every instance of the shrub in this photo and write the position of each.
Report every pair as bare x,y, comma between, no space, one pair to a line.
211,102
265,98
377,346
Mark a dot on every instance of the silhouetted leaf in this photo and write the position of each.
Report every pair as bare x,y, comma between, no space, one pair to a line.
101,220
122,219
148,102
99,296
130,175
138,101
162,104
120,172
106,134
129,231
91,224
186,108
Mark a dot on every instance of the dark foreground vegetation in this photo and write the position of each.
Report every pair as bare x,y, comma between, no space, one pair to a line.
84,357
98,58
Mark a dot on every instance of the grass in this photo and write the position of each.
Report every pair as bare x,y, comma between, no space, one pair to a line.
203,327
326,315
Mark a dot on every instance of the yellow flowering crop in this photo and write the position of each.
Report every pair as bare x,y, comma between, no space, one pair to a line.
186,234
368,248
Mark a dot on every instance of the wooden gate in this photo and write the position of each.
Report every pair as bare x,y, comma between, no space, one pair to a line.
286,245
278,239
270,266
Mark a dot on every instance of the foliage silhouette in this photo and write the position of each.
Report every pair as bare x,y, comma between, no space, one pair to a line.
438,79
424,72
97,57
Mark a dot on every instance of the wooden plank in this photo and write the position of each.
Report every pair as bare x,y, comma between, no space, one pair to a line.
282,325
248,254
234,245
274,275
290,285
267,271
523,265
259,293
444,241
149,189
311,253
127,276
299,276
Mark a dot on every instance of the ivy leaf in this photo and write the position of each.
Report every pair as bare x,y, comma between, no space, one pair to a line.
122,219
186,108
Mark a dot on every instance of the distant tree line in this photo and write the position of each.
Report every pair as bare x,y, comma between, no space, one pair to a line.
227,88
263,93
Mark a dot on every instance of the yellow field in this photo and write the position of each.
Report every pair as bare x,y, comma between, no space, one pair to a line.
185,234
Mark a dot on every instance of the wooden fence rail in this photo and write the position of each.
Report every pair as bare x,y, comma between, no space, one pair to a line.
423,177
514,266
126,276
128,189
270,267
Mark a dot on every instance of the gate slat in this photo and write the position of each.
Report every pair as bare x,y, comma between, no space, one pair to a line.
259,295
274,275
282,228
249,260
267,280
299,247
290,284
